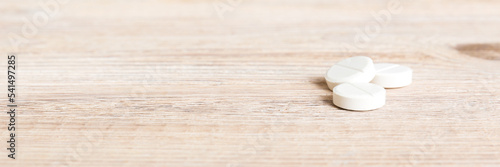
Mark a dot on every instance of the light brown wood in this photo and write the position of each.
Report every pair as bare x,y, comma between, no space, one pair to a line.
174,83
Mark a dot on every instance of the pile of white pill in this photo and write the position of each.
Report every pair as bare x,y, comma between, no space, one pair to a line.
358,84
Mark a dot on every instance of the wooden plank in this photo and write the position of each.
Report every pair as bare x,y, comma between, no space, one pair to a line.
181,83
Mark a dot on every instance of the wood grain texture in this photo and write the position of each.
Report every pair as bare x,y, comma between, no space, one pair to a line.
170,83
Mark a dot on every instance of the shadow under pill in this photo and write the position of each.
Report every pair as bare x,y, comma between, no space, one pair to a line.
320,82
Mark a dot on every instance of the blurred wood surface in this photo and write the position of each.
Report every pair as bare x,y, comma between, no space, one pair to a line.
187,83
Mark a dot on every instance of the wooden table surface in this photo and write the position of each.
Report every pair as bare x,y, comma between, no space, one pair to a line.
240,83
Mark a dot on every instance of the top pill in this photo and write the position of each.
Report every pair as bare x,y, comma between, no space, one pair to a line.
354,70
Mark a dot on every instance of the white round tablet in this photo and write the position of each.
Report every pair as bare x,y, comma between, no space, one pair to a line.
355,69
359,96
392,75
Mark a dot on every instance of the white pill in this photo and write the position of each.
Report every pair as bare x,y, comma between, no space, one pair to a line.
392,75
359,96
355,69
